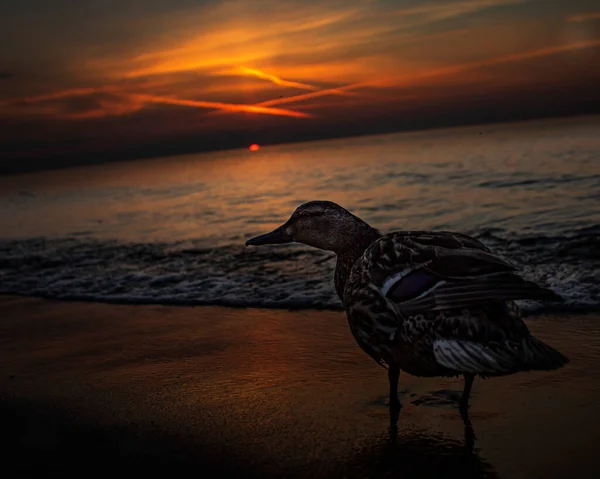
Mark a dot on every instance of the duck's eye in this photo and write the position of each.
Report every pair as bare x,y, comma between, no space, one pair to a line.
308,214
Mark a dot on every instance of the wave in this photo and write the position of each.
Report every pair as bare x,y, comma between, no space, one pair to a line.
286,276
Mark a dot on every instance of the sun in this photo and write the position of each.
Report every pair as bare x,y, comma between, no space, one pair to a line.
254,147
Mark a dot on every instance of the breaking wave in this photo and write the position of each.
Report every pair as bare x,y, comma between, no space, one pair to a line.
286,276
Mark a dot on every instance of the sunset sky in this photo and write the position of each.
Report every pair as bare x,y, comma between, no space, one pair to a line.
113,79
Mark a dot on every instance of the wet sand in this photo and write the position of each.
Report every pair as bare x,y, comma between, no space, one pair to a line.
90,389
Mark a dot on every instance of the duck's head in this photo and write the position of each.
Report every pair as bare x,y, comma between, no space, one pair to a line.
321,224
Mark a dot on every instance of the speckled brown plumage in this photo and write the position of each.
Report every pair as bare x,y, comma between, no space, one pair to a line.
393,332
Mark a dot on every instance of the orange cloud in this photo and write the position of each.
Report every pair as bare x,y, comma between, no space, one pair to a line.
357,47
517,57
408,79
231,37
118,105
232,107
225,34
245,71
343,90
412,78
584,17
59,95
293,47
124,103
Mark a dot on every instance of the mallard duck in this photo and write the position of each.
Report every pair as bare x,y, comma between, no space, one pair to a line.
428,303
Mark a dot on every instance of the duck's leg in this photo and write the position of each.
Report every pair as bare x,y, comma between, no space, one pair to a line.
464,399
464,411
469,432
393,376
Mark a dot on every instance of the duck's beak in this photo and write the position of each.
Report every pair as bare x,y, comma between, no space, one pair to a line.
277,236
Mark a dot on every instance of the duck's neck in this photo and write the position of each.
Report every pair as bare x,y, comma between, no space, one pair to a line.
347,255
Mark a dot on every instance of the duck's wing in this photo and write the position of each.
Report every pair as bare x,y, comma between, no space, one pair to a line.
421,273
445,239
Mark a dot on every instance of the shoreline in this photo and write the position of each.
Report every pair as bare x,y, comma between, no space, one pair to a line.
271,393
527,312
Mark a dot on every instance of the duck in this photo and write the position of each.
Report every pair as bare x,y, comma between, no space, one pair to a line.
429,303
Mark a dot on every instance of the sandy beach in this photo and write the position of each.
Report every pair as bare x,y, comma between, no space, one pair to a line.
272,393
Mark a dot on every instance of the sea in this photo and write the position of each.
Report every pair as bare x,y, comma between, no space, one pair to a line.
172,230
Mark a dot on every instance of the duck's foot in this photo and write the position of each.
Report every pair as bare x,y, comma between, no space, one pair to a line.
395,408
469,432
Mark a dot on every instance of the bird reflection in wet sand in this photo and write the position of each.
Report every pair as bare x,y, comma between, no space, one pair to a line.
417,454
469,433
429,303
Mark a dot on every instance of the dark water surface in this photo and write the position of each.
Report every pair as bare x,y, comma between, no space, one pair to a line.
172,230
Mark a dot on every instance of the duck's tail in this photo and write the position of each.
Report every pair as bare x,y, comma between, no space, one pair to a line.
538,356
497,358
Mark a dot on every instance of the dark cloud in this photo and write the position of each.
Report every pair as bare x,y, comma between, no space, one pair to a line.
5,75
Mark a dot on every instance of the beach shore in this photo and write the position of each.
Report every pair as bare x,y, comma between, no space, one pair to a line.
272,393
